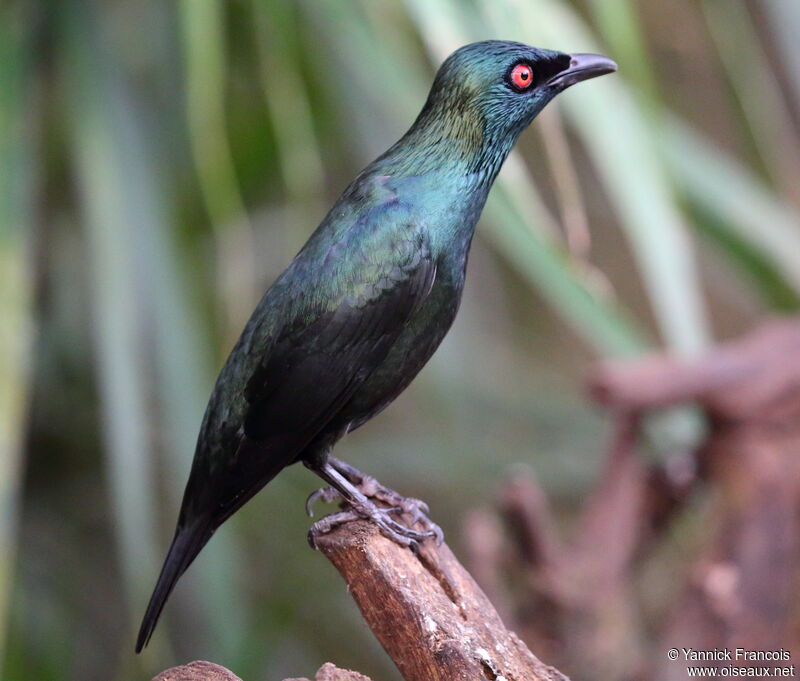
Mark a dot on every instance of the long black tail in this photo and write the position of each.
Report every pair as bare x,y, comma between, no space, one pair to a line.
184,549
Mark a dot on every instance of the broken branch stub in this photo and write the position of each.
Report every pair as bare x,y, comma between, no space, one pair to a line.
427,612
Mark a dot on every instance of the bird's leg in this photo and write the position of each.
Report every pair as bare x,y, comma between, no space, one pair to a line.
342,486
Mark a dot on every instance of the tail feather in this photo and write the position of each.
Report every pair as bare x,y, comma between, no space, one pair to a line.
186,544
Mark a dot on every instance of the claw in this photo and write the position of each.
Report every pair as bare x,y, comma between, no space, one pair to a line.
326,494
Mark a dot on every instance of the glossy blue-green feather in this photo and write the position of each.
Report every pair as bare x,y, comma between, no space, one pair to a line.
365,303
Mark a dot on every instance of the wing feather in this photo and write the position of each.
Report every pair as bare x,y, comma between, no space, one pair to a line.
339,332
317,334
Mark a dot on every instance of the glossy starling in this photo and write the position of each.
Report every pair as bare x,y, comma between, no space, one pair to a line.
364,304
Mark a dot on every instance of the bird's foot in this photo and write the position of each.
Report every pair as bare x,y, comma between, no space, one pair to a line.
415,509
382,517
356,490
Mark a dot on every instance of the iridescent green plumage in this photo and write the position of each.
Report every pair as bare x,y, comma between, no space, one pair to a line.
368,299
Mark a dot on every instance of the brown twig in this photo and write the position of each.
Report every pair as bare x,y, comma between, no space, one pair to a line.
732,381
584,583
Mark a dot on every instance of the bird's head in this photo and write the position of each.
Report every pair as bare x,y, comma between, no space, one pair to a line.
486,93
507,83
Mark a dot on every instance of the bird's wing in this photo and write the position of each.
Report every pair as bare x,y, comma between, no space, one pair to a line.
317,334
360,292
314,344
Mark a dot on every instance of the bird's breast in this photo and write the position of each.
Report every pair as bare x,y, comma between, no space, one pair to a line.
448,209
411,351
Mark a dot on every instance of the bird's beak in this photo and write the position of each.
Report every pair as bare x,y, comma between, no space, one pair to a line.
582,67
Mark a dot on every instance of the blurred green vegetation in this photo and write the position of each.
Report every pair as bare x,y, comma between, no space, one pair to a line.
162,162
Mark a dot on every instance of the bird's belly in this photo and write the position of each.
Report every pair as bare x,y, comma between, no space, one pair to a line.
407,356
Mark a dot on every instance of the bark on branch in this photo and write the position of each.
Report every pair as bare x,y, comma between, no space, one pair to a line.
208,671
427,612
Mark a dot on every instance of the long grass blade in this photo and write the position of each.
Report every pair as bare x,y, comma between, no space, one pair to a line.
101,140
204,42
758,91
742,203
138,285
17,145
784,20
631,170
279,69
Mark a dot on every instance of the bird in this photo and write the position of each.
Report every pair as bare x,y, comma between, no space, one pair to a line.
363,305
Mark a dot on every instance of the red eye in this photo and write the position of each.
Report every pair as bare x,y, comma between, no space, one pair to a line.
522,76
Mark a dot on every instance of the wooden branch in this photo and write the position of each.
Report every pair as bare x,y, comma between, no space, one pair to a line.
734,380
743,579
330,672
584,583
486,553
199,670
436,623
208,671
427,612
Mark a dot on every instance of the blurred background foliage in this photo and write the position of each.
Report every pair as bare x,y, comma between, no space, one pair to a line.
162,162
